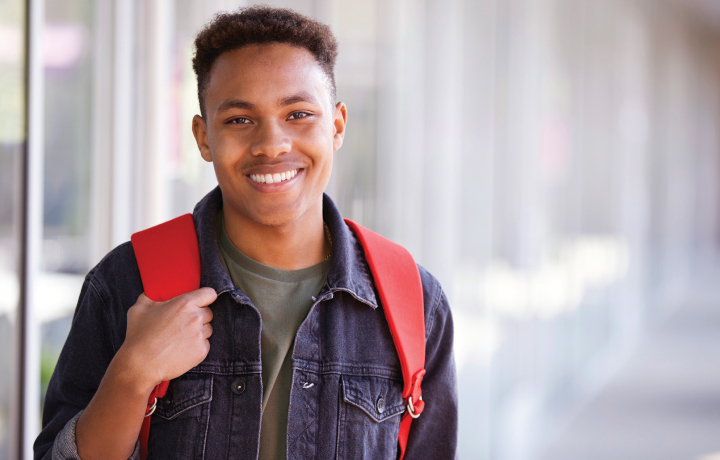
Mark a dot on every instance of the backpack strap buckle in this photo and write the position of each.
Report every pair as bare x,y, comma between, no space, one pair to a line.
414,413
149,411
414,403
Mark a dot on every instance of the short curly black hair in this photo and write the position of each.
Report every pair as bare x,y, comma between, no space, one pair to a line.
258,25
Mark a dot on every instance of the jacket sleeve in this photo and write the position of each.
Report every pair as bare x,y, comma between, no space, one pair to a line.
88,350
434,434
65,447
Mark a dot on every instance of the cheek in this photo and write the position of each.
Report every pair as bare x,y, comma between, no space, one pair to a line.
324,165
225,150
318,139
226,163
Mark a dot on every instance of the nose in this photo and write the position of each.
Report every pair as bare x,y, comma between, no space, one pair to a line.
271,140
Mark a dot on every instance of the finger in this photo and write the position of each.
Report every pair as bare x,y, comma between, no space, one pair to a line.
206,314
207,330
202,297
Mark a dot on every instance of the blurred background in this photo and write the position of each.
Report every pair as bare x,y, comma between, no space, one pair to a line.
555,163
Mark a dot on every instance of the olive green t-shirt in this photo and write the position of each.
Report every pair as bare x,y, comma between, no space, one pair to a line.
283,298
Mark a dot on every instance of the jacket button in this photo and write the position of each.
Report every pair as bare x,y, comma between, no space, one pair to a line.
166,402
380,405
238,386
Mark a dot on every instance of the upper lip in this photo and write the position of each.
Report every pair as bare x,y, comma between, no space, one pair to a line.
272,168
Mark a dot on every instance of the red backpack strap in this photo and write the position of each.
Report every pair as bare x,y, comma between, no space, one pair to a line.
398,282
169,261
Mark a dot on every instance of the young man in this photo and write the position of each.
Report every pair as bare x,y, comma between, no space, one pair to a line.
284,352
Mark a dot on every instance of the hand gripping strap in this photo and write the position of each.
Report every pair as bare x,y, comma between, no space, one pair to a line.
168,258
398,283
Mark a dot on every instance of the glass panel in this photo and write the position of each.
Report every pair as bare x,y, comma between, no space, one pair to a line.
190,177
68,79
12,144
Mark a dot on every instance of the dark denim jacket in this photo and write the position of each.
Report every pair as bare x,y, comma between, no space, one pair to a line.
345,402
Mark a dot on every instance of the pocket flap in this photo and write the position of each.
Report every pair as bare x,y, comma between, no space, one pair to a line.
378,397
185,392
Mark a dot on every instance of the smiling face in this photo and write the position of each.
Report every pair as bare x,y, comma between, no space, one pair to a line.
270,132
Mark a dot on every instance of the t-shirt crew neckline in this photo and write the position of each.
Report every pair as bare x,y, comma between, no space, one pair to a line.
275,274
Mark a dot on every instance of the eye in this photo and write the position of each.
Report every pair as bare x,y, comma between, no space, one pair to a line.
240,121
298,115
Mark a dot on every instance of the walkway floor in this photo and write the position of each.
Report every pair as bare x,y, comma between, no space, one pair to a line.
664,404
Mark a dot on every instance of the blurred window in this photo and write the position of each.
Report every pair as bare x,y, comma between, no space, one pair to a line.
12,145
68,79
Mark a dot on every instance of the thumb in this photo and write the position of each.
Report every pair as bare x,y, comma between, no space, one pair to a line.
202,297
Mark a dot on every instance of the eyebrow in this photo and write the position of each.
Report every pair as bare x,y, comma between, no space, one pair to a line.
299,97
282,102
235,104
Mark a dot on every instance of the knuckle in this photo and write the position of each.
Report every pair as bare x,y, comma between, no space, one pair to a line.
185,304
187,301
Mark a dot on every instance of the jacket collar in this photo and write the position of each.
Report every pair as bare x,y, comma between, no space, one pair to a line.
348,271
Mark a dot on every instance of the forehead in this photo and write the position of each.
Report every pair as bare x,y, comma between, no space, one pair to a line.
265,72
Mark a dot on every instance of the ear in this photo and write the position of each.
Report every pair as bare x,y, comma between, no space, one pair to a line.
339,122
199,129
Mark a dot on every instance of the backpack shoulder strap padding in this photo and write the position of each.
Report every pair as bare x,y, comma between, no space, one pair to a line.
399,286
168,257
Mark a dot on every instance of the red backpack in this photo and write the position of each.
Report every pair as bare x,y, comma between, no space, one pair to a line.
169,261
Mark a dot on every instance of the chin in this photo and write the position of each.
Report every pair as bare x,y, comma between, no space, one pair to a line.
273,221
274,217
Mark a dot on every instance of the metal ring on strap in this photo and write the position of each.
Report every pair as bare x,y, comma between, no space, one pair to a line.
411,408
152,408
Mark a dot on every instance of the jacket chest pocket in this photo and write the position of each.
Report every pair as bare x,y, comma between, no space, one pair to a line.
369,418
179,424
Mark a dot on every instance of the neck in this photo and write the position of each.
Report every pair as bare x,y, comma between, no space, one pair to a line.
292,246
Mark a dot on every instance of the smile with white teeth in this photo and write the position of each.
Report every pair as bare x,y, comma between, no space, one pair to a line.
274,178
